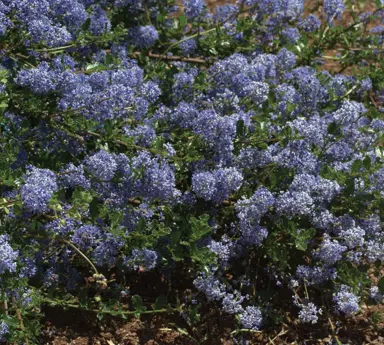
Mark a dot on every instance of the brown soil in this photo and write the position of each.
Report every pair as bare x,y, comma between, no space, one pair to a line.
82,328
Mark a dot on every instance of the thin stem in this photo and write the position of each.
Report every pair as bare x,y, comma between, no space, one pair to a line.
306,290
8,203
232,17
44,50
135,55
82,254
69,244
333,331
245,330
5,303
74,110
186,39
282,332
19,317
73,135
110,312
120,142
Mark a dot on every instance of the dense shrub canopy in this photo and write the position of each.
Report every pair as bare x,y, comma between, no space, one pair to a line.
140,136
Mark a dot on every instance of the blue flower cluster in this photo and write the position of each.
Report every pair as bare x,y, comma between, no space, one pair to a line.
143,259
346,301
8,256
217,186
39,186
4,331
308,313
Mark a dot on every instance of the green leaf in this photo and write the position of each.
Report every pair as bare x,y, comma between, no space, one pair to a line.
86,24
332,128
302,238
160,303
94,208
177,253
138,305
18,208
202,255
183,21
301,245
82,196
193,313
367,162
307,234
160,18
108,59
292,228
379,3
199,227
108,126
353,276
93,66
356,166
10,182
350,186
240,128
380,285
273,179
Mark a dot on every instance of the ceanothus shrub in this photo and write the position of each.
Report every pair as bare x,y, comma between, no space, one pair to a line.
140,138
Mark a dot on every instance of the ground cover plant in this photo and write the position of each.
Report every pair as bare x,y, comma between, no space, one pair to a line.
207,151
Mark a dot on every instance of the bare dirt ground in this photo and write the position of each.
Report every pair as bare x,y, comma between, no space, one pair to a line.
77,328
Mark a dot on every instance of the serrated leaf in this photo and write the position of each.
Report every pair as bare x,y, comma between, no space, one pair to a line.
301,245
199,227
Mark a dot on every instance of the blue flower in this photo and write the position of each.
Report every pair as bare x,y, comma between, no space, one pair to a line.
144,36
38,188
310,23
217,185
333,9
251,318
193,8
99,21
142,258
4,331
102,165
8,256
309,313
346,301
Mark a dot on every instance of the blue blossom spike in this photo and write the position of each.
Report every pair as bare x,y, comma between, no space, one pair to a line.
144,36
333,9
8,256
251,318
102,165
39,186
346,301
